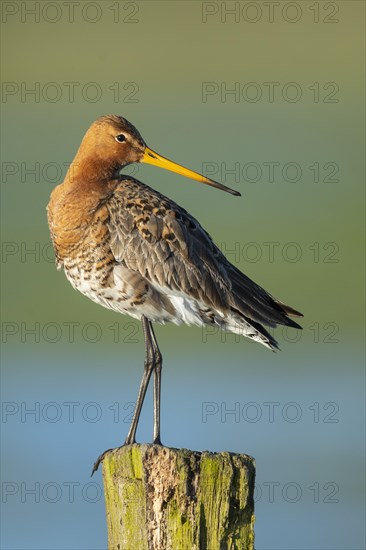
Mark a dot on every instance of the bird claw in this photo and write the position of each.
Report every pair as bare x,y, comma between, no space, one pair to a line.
99,460
102,456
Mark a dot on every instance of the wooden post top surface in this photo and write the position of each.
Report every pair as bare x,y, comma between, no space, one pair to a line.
162,498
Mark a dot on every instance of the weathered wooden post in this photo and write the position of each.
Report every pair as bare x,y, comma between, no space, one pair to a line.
159,498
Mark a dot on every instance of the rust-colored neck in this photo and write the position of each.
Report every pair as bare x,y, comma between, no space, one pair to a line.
91,171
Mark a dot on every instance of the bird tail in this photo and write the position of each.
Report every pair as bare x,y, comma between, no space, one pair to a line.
256,307
289,310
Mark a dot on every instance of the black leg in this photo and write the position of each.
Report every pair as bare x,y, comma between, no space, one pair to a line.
153,361
157,386
148,368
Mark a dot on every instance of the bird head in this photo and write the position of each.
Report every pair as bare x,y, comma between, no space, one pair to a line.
114,141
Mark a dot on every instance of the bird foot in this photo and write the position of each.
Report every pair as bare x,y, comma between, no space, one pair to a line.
102,456
157,441
99,460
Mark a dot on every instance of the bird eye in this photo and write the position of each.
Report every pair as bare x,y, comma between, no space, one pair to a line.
121,138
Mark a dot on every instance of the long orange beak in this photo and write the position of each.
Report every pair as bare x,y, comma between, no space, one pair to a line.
150,157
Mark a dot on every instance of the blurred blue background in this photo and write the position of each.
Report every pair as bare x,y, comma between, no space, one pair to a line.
268,100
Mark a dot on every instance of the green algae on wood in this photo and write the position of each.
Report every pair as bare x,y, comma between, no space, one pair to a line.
158,498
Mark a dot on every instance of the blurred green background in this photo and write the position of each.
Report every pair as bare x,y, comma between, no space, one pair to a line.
273,92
